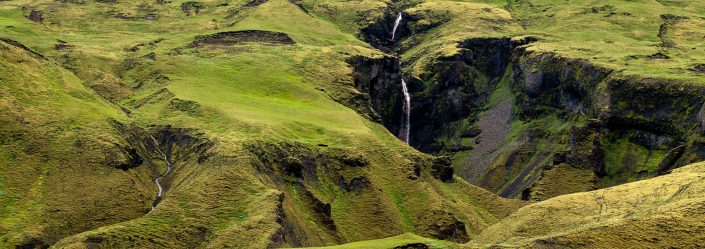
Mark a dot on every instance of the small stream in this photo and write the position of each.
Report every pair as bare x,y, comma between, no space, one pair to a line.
158,180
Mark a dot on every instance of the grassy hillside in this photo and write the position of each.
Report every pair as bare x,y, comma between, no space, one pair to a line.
274,141
653,213
223,113
623,36
633,215
58,149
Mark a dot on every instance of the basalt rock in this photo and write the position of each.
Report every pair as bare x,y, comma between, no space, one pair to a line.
286,233
133,160
23,47
655,114
658,106
585,151
413,246
255,3
36,16
378,81
546,83
670,160
669,21
699,68
459,85
443,225
355,184
190,7
442,169
33,243
300,4
379,33
694,151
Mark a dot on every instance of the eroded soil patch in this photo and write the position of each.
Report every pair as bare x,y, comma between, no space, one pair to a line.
245,36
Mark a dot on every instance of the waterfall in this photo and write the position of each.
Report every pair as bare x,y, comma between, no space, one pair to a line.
396,24
406,123
406,126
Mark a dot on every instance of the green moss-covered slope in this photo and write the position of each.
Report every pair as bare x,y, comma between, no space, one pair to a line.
264,121
239,99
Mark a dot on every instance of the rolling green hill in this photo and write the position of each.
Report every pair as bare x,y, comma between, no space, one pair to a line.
273,123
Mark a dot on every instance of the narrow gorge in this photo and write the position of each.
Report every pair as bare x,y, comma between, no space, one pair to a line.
515,121
158,179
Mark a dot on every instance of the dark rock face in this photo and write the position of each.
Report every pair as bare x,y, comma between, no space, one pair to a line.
586,151
255,3
413,246
133,160
36,16
379,82
355,184
694,152
33,243
657,106
652,113
670,160
699,68
230,38
23,47
669,21
324,212
526,194
560,84
190,8
379,34
179,145
443,225
300,4
442,169
286,233
455,91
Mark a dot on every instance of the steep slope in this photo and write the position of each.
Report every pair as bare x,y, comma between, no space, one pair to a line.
61,160
661,212
665,211
261,153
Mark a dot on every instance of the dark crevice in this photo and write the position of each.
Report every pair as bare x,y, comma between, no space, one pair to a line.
171,146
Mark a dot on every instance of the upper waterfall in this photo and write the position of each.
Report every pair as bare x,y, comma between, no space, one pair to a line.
396,24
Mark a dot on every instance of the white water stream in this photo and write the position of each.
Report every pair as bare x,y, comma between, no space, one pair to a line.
396,24
406,124
158,180
407,112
